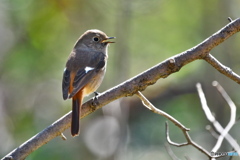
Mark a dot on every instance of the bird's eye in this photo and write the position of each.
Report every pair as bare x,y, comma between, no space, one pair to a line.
95,39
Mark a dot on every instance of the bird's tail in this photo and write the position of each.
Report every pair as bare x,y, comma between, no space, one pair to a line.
76,112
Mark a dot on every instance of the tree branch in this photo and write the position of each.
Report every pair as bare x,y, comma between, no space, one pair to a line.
189,142
185,130
129,88
216,124
232,118
221,68
152,108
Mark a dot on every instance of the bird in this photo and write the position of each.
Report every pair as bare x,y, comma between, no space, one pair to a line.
84,71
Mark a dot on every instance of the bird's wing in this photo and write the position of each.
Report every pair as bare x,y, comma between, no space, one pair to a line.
65,83
84,75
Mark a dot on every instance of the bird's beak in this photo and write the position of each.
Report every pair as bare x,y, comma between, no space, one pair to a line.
107,40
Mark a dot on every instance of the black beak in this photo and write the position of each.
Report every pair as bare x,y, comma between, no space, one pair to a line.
107,40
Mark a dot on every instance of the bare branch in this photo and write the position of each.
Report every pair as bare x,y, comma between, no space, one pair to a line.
205,108
208,113
232,117
222,69
63,136
41,138
152,108
189,142
212,119
169,140
130,87
185,130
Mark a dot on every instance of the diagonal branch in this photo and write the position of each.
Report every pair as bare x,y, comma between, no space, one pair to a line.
130,87
152,108
222,69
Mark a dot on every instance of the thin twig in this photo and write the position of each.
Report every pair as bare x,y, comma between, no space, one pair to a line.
221,68
212,119
189,142
63,137
232,117
169,140
229,19
185,130
151,107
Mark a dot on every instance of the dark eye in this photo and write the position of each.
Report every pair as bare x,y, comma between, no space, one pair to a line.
95,39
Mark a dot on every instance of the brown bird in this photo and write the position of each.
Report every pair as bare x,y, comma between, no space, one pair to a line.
84,72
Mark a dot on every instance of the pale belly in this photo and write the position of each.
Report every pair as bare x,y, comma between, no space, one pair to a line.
94,83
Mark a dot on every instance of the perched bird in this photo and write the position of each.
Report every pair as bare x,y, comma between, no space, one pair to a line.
84,72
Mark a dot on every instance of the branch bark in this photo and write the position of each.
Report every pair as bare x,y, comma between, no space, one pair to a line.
221,68
129,88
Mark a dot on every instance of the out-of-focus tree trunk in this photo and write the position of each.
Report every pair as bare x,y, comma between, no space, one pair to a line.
123,30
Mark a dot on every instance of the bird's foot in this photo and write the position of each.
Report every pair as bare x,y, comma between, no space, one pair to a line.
95,102
96,95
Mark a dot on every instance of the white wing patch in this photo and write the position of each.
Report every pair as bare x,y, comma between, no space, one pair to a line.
87,69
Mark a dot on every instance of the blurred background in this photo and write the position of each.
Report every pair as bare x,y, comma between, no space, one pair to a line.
36,38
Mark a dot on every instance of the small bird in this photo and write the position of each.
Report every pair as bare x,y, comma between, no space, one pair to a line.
84,71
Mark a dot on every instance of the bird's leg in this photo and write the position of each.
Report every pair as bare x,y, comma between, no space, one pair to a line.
95,101
96,95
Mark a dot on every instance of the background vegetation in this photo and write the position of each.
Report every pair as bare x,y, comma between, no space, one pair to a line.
37,36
